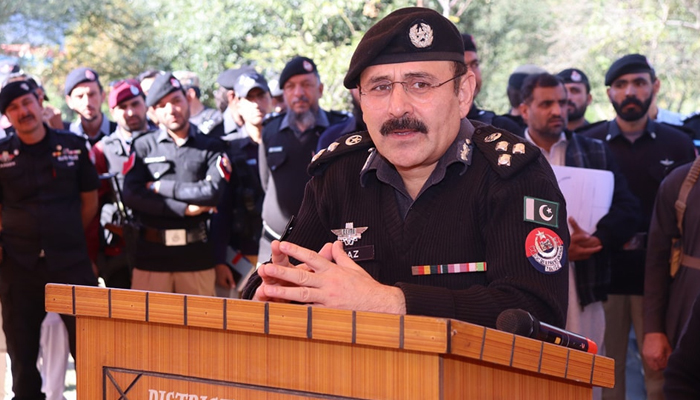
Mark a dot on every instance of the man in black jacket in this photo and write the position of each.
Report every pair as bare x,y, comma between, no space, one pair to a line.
646,151
423,214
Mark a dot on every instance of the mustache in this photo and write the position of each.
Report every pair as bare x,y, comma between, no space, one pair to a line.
27,118
631,100
301,98
403,124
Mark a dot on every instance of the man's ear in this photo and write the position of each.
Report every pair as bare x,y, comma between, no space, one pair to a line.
524,109
466,93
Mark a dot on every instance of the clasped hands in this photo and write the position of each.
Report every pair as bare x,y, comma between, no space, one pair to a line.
327,278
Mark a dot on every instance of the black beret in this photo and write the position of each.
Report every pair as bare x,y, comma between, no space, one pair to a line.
12,91
573,75
80,75
469,44
408,34
163,85
629,64
516,79
228,78
297,66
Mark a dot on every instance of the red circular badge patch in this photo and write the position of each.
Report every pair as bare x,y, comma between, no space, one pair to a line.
545,250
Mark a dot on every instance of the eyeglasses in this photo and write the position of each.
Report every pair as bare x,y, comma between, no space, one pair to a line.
416,87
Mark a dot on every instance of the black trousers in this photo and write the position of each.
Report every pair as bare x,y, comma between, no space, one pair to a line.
23,310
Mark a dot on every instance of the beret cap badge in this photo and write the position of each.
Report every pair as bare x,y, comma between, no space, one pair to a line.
421,35
575,76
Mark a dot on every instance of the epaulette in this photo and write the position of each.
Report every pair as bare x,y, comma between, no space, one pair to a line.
588,127
273,116
345,144
507,153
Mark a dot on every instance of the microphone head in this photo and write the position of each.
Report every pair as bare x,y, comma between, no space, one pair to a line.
516,321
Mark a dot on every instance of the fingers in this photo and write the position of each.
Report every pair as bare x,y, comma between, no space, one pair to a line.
278,257
312,259
574,225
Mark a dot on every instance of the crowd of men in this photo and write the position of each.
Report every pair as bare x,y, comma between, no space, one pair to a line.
171,195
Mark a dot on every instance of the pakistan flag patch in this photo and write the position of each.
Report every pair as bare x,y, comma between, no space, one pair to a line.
541,212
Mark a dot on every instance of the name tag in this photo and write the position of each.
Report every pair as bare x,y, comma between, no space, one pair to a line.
275,149
360,253
151,160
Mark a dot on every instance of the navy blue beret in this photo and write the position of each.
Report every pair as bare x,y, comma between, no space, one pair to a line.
80,75
163,85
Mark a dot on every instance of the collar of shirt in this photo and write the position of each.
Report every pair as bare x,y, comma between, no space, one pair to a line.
230,124
557,153
388,174
77,127
615,132
163,135
321,120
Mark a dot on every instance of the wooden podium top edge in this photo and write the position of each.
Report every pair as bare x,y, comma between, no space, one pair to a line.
413,333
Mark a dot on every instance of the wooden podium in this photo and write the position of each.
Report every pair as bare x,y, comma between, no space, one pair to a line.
135,345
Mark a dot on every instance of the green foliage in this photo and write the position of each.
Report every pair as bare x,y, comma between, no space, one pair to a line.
121,38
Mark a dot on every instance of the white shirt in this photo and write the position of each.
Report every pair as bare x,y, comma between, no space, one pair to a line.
557,153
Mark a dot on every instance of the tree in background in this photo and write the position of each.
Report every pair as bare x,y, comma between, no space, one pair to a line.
120,38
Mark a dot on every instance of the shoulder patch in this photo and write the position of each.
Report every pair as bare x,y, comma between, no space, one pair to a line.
345,144
506,153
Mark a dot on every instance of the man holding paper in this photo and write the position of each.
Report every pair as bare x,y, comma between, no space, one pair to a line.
544,108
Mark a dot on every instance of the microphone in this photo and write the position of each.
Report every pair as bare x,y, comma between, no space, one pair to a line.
521,322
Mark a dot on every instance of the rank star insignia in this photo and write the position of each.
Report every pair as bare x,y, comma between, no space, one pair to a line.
519,148
502,146
349,235
421,35
353,140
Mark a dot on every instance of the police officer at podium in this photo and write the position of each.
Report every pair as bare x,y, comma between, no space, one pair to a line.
427,213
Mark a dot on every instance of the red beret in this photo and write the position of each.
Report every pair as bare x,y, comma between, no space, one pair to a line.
124,90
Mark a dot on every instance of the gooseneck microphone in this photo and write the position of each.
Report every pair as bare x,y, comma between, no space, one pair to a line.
521,322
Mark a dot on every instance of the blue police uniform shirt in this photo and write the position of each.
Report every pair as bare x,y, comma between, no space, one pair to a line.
40,188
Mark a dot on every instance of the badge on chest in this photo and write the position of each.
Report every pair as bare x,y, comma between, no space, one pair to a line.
350,235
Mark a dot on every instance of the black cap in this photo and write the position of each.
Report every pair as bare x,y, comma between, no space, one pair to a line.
518,76
469,44
248,81
80,75
12,91
573,75
163,85
297,66
629,64
228,78
408,34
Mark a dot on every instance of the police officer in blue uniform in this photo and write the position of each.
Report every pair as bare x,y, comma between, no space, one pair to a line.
289,142
174,179
48,194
